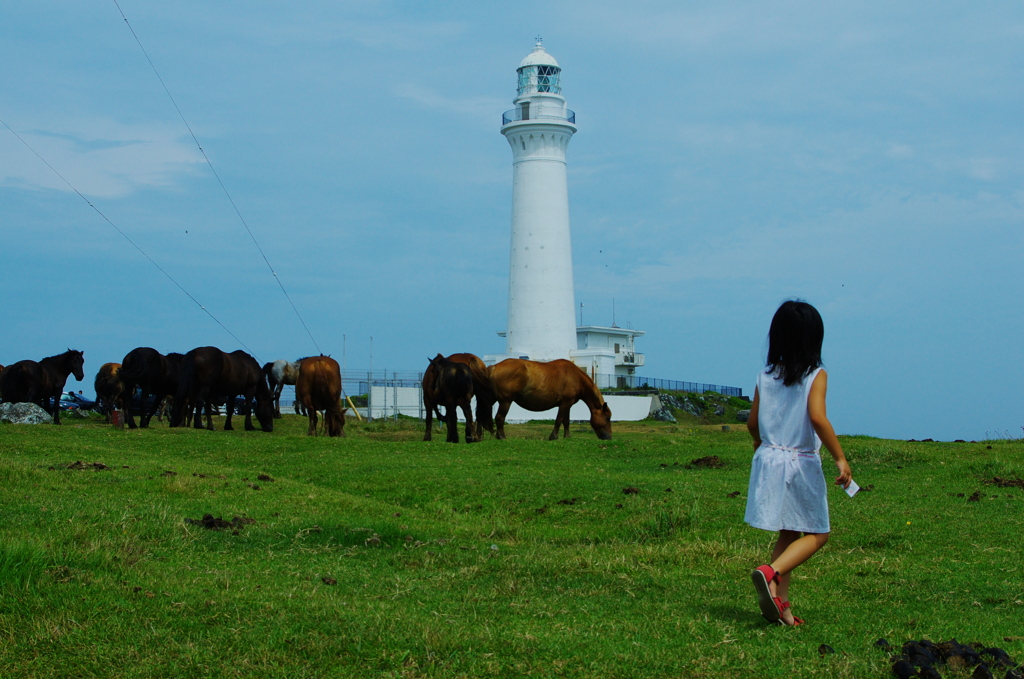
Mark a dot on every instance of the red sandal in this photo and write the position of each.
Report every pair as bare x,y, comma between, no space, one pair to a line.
771,607
783,605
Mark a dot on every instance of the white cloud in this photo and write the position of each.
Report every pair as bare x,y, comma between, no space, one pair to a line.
99,158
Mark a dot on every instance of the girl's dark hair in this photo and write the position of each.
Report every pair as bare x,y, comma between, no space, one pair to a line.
794,341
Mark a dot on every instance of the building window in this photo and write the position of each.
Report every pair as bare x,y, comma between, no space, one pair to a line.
616,347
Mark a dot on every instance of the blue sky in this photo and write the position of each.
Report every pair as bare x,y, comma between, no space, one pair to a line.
729,156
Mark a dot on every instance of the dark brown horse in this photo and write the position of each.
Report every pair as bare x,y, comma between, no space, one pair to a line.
541,386
481,389
154,374
41,383
208,374
109,389
453,389
318,387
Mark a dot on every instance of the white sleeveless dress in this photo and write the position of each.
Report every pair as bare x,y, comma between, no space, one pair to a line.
787,486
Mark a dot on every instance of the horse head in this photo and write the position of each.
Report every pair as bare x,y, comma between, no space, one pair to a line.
77,360
601,421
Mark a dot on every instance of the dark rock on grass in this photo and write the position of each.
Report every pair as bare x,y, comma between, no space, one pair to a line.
982,672
903,669
922,657
825,649
630,490
570,501
329,580
264,477
209,522
883,644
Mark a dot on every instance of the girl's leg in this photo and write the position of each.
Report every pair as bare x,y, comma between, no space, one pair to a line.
790,551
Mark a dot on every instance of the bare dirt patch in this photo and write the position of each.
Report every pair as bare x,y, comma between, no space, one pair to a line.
78,464
1000,482
210,522
706,462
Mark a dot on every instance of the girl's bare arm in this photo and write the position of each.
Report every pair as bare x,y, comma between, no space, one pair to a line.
752,427
816,412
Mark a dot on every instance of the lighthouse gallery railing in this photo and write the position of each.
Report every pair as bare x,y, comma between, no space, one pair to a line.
516,115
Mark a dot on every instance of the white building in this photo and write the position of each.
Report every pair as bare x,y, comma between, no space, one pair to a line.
607,354
541,299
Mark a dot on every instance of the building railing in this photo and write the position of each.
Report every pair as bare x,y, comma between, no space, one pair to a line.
639,382
516,115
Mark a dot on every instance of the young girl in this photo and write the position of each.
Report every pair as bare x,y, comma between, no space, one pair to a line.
787,487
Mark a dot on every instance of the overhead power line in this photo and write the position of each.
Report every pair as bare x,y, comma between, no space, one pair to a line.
126,237
217,176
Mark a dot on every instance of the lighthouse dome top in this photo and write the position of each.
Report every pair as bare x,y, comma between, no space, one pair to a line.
539,73
539,57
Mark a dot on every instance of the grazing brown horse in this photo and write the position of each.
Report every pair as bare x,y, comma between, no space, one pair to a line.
481,389
541,386
41,383
280,373
151,372
208,374
318,387
453,389
109,389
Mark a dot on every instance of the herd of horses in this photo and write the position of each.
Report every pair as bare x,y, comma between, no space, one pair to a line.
194,384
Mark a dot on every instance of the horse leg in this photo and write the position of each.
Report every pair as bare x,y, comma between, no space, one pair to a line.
56,408
451,413
563,416
278,388
198,403
229,408
472,434
499,419
311,414
430,419
145,415
248,411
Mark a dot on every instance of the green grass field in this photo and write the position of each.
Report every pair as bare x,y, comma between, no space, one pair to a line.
379,555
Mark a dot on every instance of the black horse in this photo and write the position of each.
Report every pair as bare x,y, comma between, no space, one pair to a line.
154,374
453,388
41,383
209,374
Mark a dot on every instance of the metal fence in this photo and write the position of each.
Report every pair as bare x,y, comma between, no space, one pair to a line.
393,393
639,382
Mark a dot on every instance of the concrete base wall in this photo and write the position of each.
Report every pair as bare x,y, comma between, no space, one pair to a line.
386,401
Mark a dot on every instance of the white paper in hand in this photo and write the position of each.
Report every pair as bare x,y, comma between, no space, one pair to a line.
852,489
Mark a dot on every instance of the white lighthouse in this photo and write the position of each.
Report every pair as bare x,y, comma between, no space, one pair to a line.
541,300
541,317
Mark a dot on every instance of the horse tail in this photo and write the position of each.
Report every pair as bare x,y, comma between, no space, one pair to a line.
186,379
133,368
484,393
7,382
